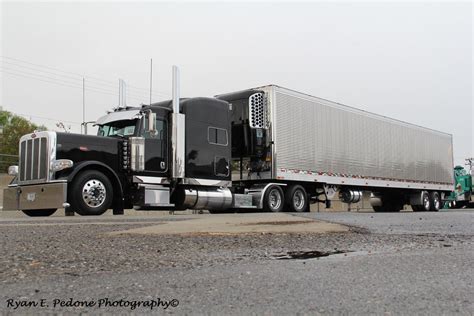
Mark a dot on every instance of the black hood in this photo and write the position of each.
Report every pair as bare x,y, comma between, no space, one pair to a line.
79,148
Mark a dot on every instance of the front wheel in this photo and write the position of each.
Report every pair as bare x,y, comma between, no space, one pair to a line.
91,193
40,213
273,200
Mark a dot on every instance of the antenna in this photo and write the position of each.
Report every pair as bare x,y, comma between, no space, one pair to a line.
151,76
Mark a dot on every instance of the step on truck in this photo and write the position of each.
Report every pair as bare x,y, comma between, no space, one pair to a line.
267,148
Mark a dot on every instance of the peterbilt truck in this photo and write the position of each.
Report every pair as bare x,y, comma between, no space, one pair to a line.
267,148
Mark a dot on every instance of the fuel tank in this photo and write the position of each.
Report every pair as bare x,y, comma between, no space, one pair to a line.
203,198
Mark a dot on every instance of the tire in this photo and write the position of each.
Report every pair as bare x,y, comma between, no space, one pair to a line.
297,199
426,206
40,213
274,199
435,202
91,193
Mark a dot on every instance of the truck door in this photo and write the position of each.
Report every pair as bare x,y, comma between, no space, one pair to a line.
156,152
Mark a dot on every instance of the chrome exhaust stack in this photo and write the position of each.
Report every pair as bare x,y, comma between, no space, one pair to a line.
177,132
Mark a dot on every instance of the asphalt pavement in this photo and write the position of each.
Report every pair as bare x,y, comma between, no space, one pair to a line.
394,264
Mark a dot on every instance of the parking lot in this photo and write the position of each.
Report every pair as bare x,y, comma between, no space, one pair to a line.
328,262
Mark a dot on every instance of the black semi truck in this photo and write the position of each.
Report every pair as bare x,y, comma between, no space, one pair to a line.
267,148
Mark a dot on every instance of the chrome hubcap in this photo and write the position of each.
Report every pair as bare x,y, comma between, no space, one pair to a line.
94,193
298,200
275,199
436,203
426,203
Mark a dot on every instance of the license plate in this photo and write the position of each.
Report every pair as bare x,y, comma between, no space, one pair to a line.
31,196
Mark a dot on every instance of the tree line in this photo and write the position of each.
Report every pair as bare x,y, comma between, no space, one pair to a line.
12,127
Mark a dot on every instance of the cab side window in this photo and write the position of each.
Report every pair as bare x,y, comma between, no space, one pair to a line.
160,130
217,136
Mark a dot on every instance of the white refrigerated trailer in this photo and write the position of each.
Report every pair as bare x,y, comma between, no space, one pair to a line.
327,151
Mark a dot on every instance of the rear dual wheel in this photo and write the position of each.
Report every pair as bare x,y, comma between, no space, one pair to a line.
430,202
297,199
436,203
273,199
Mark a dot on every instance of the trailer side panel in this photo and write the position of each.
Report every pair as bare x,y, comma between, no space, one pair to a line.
320,140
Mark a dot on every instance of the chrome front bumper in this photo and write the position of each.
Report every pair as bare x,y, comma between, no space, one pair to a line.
35,197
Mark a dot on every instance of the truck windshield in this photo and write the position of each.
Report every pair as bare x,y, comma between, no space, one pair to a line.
118,128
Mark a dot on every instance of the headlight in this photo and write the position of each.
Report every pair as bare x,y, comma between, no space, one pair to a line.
61,164
13,170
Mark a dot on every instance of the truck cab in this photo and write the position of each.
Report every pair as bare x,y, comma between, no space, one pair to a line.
129,162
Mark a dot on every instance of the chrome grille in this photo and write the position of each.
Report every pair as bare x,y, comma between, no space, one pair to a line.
34,157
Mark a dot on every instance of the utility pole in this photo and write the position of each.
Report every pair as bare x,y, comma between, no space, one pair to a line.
83,105
151,76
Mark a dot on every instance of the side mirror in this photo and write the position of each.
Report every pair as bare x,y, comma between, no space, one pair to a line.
152,123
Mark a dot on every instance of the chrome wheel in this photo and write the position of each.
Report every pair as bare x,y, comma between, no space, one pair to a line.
275,199
94,193
426,202
436,203
299,200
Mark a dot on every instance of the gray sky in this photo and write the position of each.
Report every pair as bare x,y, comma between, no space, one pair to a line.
410,61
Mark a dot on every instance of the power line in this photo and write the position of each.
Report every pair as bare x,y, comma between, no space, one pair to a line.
32,68
66,84
108,82
134,95
75,79
45,118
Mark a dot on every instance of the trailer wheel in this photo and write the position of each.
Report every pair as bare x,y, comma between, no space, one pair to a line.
91,193
297,199
274,199
435,202
426,206
40,213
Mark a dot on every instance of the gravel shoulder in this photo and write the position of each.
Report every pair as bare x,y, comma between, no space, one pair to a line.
377,271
